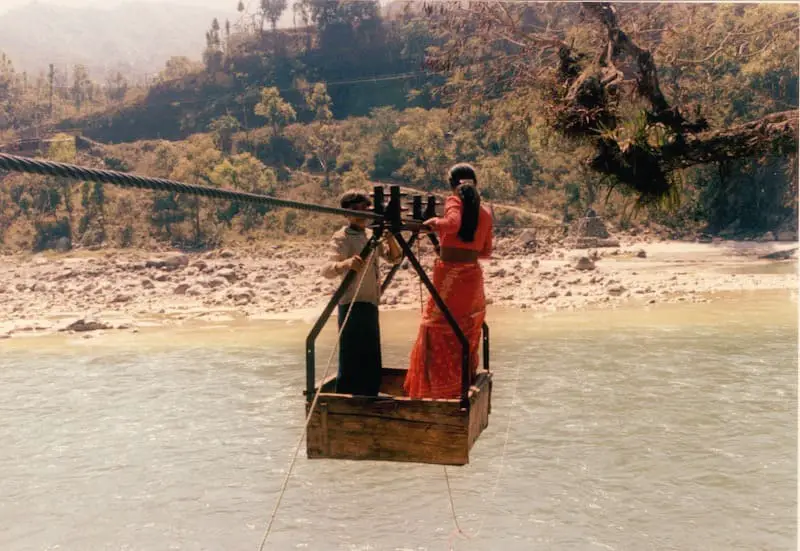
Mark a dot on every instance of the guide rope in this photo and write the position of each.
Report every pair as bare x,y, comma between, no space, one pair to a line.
123,179
285,483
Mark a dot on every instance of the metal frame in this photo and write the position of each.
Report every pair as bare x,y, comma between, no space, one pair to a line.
392,215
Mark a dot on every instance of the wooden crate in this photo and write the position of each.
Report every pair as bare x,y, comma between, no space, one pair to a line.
397,428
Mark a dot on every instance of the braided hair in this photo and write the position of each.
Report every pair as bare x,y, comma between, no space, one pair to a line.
464,181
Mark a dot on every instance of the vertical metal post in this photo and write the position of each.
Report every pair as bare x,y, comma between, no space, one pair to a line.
417,208
416,215
485,329
377,199
430,212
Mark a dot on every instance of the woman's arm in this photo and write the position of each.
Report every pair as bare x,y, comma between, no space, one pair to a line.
486,251
451,221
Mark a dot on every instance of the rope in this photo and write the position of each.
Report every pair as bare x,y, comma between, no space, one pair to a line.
123,179
458,530
311,409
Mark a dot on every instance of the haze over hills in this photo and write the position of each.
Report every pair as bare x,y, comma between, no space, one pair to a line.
136,37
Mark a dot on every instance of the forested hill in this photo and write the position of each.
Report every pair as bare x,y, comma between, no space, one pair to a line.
366,61
628,109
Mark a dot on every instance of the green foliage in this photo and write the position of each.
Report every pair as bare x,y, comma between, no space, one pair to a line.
49,232
222,130
325,119
244,173
277,112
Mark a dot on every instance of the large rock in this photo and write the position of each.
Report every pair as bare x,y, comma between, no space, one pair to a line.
590,226
83,325
240,294
169,264
584,263
527,238
608,242
63,244
615,289
228,274
181,289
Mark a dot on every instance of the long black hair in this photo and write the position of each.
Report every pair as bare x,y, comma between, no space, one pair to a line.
464,181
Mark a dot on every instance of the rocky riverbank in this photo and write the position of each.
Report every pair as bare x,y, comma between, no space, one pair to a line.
122,290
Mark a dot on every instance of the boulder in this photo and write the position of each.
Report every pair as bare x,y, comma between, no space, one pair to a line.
169,264
181,289
228,274
584,263
615,290
83,325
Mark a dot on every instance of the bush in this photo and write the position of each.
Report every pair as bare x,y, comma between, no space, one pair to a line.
48,233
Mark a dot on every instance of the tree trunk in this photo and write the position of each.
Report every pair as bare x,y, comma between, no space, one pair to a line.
776,133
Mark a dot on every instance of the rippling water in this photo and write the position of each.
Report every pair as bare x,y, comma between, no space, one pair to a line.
673,428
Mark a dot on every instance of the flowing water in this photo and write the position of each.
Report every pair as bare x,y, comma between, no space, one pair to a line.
668,428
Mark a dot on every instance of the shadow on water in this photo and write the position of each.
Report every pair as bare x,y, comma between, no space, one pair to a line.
622,425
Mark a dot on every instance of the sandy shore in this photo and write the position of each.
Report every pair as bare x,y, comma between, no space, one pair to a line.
96,292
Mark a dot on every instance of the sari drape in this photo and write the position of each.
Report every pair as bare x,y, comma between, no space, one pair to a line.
435,366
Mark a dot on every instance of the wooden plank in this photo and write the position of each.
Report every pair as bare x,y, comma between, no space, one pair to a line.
429,411
361,437
398,428
479,407
392,380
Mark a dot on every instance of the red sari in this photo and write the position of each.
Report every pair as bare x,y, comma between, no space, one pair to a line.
435,366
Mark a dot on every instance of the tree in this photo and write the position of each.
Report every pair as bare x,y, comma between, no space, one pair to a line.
319,102
320,143
117,87
194,167
275,110
178,67
595,84
62,149
81,86
222,129
421,139
271,10
212,56
245,173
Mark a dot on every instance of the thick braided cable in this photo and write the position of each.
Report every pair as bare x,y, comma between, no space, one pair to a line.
123,179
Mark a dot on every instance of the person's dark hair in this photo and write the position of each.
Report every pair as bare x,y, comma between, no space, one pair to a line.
353,197
464,181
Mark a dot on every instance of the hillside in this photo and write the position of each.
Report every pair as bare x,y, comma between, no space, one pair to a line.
134,37
354,98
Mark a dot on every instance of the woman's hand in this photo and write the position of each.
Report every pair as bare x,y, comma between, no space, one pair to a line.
416,225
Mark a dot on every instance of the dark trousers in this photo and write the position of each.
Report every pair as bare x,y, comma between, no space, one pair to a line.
359,351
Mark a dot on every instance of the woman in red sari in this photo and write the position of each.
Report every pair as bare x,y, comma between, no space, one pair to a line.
465,235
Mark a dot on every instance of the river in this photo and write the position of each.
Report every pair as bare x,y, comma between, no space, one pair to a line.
673,427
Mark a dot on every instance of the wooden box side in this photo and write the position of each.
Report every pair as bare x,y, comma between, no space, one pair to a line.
480,406
359,428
